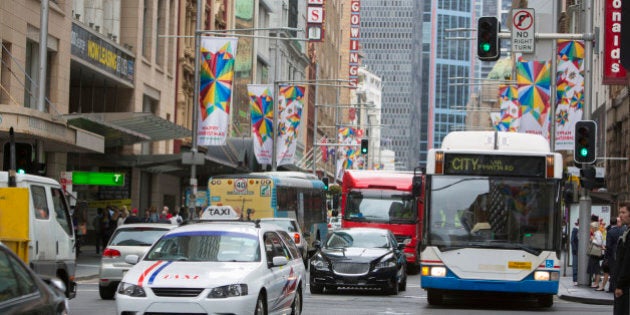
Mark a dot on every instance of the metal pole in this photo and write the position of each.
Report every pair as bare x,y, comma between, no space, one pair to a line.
43,53
585,199
276,89
315,119
195,114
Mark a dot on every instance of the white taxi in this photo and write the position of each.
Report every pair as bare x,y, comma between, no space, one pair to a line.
216,267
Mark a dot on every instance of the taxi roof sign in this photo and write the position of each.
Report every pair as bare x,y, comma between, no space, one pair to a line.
219,213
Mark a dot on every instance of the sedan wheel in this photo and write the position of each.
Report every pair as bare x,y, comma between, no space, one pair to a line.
107,293
296,308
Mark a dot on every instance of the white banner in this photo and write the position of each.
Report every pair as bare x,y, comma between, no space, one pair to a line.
290,104
215,89
261,112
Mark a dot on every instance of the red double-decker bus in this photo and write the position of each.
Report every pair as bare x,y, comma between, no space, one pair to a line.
386,199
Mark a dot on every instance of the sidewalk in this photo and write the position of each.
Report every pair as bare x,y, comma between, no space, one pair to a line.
89,262
582,294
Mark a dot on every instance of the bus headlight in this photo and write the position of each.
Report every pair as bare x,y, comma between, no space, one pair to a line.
438,272
541,276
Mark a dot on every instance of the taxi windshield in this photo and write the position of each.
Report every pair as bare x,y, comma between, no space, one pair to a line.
208,246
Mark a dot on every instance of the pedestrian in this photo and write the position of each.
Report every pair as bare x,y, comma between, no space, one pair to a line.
574,250
124,213
594,268
133,217
176,218
165,216
612,237
153,216
101,226
621,276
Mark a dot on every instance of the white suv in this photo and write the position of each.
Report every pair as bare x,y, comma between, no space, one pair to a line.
216,267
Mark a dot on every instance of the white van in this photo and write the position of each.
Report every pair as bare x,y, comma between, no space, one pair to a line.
35,222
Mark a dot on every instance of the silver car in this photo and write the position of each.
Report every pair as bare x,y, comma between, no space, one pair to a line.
293,228
128,239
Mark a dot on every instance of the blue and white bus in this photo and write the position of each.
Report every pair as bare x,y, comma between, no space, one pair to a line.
492,220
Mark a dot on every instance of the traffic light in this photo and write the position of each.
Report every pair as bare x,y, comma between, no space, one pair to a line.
364,146
325,180
488,48
587,177
23,157
585,135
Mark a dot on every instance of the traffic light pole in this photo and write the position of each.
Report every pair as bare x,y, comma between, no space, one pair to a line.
585,199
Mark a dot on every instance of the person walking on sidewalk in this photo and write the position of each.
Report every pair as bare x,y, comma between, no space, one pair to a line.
574,251
612,237
621,276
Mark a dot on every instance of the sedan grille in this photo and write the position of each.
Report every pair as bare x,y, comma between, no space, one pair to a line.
177,292
350,268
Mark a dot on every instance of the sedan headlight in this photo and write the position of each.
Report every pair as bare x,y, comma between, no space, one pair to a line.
386,262
228,291
129,289
319,263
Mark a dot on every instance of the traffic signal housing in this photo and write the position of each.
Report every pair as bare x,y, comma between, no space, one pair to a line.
364,146
325,180
488,48
24,161
587,177
585,142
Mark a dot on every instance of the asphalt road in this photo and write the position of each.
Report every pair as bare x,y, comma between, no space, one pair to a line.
344,302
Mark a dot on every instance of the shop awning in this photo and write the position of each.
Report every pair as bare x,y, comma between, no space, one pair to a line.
128,128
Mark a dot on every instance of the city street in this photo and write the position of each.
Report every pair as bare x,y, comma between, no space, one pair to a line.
412,301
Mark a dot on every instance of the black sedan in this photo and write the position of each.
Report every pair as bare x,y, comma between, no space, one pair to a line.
24,292
359,258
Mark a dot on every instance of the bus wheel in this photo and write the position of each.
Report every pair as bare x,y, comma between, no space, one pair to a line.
434,298
545,300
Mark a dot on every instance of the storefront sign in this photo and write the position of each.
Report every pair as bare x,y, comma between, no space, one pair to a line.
613,72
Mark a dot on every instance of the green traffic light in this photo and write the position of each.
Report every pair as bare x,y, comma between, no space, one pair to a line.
583,152
485,47
21,171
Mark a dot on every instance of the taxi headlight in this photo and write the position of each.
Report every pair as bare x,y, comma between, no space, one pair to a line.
319,263
228,291
387,262
541,276
438,271
129,289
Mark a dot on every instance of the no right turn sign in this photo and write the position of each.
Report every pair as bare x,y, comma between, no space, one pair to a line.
523,30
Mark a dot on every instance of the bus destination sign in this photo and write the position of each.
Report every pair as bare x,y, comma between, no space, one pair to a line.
494,165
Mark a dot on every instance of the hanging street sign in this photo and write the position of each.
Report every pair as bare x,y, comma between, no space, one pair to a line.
523,31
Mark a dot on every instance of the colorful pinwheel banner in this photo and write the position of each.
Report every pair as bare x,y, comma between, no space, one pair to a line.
570,91
508,119
215,89
261,111
533,79
290,104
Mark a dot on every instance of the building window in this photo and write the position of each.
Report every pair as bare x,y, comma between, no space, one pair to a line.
161,30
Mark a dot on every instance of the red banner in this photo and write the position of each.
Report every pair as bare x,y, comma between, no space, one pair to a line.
613,72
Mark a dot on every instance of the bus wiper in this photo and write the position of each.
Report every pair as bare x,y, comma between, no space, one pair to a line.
529,249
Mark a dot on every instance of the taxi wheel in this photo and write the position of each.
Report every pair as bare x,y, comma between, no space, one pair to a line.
260,305
296,308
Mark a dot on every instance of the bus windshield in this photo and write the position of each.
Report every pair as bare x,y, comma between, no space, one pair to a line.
379,205
497,212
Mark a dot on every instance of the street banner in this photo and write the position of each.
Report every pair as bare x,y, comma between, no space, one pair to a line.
570,91
290,104
347,155
324,148
261,112
533,80
509,117
215,90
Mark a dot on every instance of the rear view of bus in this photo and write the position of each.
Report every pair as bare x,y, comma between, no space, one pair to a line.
492,220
